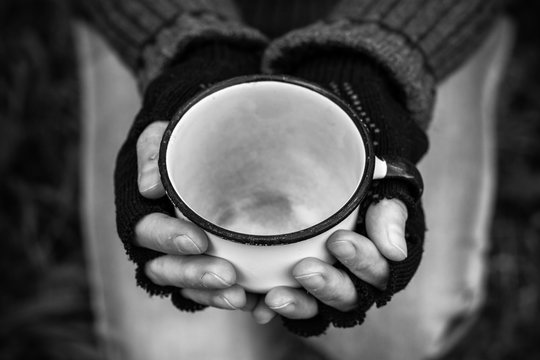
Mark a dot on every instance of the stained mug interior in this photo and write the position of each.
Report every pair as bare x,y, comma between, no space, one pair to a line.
268,167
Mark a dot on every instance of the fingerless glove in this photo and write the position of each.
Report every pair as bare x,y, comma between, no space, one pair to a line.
365,87
206,64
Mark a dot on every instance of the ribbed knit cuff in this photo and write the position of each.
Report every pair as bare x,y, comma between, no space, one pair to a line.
403,62
146,34
275,18
418,42
188,31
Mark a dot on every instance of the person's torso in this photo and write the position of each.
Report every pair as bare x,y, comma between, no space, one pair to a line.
276,17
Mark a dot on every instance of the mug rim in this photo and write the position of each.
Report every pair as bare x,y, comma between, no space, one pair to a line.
277,239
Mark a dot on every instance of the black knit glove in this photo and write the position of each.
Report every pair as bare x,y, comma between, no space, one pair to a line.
365,87
207,64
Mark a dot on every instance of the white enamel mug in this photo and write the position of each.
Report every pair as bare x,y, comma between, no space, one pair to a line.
269,167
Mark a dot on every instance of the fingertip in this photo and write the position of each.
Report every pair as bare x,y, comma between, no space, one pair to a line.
170,235
233,298
189,238
149,182
291,302
212,280
278,298
308,266
236,296
385,226
226,271
396,238
262,314
230,302
196,234
148,143
341,245
310,274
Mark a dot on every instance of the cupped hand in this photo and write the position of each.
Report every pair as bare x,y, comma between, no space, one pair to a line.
365,257
212,281
205,279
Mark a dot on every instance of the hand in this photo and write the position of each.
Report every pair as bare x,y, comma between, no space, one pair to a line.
153,238
208,280
211,281
365,258
205,279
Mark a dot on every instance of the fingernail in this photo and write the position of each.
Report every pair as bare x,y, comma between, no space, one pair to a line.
342,249
395,236
185,244
311,280
263,320
210,279
146,183
264,317
281,305
229,304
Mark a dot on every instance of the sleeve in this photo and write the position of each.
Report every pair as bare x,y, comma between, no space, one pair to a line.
418,42
148,34
175,48
384,58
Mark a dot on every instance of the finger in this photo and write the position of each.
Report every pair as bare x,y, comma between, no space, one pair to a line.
148,144
292,303
330,285
360,256
262,313
385,226
232,298
251,301
170,235
197,272
259,310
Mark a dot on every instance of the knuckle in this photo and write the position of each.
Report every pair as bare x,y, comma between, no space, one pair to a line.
166,244
330,291
192,276
147,226
155,270
329,294
361,267
151,136
144,139
143,228
151,221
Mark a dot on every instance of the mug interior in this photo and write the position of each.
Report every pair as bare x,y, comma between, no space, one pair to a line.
265,158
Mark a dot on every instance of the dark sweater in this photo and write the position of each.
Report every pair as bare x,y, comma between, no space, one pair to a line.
419,42
388,54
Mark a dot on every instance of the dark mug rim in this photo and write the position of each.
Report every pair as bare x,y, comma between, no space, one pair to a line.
278,239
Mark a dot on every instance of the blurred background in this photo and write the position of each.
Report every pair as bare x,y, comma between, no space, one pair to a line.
44,301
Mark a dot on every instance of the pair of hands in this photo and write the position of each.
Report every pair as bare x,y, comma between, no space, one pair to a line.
211,281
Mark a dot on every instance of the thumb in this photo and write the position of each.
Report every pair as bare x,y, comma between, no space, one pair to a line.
148,179
385,226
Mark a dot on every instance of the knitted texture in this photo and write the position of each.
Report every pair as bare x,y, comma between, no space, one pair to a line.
417,42
207,64
363,85
147,34
275,18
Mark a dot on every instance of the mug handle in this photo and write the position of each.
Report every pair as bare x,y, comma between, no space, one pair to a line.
393,167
